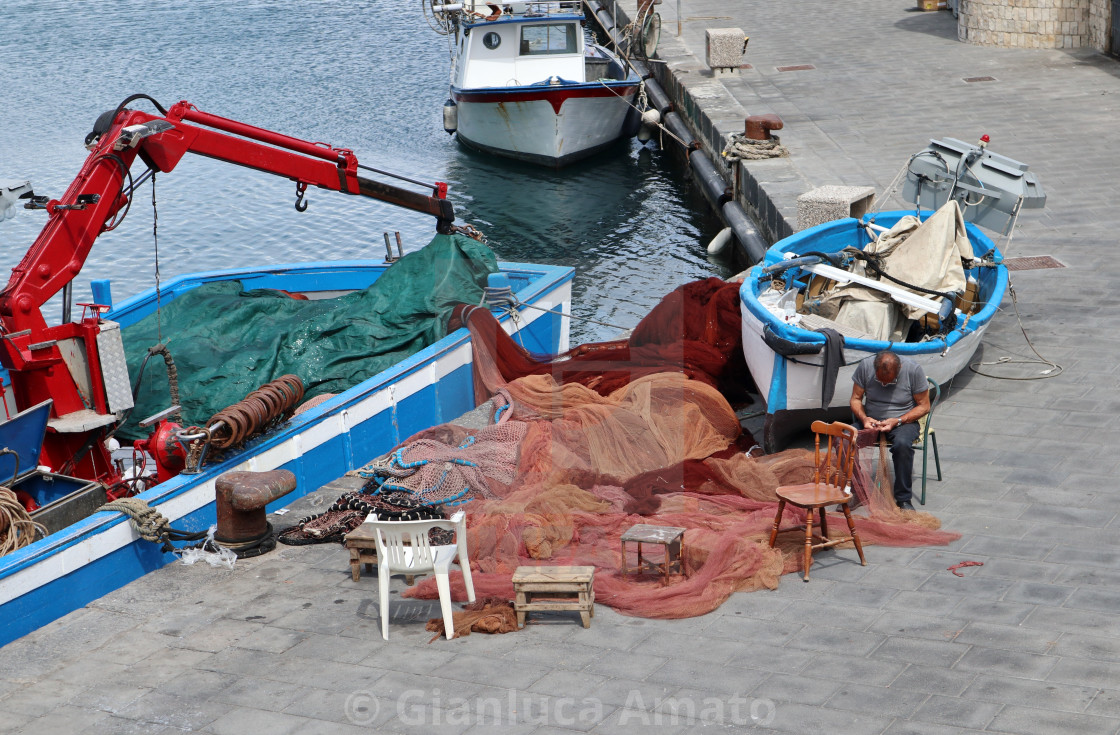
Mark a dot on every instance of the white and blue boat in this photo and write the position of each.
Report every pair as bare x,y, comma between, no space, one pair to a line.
784,339
100,553
526,84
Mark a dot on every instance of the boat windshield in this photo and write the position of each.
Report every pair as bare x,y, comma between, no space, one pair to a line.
548,38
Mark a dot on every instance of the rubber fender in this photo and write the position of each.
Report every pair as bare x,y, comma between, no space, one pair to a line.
753,244
676,126
709,178
631,123
658,100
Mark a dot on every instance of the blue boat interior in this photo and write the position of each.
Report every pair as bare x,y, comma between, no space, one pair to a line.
833,237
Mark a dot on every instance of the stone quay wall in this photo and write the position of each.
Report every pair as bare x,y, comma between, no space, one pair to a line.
1035,23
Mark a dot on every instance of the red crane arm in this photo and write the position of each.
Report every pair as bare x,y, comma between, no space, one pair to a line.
97,193
102,189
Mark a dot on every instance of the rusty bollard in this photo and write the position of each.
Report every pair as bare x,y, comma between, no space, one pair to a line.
759,126
241,498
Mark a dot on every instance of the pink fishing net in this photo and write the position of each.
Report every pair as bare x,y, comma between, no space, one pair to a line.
660,448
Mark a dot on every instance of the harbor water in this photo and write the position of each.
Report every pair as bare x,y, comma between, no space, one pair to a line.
363,75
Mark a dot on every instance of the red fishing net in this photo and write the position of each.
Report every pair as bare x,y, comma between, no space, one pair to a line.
636,431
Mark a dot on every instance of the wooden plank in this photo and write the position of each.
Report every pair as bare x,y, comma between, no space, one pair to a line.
553,574
553,605
551,586
364,532
899,294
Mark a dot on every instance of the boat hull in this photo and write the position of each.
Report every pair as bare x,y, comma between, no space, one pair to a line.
548,125
791,385
101,553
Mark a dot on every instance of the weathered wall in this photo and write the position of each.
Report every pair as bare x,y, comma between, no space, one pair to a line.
1099,19
1035,23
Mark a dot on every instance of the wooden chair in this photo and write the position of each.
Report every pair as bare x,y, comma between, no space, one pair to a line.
928,437
831,485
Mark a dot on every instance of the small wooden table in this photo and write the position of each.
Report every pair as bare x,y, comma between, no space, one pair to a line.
671,537
554,588
362,544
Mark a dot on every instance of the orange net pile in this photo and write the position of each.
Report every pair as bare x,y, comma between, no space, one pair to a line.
621,433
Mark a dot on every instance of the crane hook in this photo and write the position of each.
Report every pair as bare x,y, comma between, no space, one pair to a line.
301,205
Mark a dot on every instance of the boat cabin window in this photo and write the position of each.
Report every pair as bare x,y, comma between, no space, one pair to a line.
551,38
492,40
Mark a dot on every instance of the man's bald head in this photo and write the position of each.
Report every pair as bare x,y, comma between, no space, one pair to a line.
887,366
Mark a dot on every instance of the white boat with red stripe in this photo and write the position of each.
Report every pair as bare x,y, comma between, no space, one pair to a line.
527,84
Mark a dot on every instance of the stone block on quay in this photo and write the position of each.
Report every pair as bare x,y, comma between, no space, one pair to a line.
724,48
828,203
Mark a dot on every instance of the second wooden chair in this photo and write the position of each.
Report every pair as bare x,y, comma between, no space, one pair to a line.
831,486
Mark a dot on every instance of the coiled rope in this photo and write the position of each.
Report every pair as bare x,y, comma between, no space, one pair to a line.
16,527
741,148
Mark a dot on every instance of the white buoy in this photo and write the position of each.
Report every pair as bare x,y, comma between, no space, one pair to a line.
650,120
720,241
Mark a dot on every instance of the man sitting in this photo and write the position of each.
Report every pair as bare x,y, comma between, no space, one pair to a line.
890,393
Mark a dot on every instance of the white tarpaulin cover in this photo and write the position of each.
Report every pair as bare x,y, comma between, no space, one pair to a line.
926,254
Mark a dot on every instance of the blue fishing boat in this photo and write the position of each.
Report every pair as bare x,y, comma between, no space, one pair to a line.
924,282
66,389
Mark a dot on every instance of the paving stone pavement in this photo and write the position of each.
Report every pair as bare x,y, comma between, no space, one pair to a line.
1028,643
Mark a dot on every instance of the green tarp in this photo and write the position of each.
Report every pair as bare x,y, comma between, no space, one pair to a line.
227,342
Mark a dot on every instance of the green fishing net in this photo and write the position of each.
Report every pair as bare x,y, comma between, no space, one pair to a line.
226,342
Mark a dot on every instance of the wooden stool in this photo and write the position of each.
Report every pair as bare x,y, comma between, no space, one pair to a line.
671,537
554,588
362,544
363,549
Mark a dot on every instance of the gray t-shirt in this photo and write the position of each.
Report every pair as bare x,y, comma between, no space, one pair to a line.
890,401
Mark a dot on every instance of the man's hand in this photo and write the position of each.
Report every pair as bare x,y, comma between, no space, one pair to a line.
885,425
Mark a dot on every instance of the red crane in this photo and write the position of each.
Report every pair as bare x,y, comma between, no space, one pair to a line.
62,363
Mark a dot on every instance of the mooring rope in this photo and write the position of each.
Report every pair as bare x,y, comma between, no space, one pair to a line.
149,523
741,148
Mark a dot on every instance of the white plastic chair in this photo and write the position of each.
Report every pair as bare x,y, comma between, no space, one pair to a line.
403,548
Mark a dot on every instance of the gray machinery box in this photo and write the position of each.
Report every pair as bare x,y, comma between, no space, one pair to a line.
991,188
